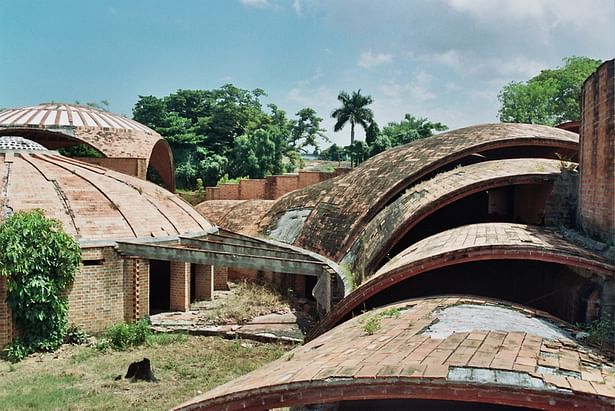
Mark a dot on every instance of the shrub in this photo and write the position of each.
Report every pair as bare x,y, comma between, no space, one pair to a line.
75,335
39,260
122,336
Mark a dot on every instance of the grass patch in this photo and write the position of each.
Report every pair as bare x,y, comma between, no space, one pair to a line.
82,378
248,301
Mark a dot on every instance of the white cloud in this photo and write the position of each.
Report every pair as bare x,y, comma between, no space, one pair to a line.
417,90
470,64
550,12
369,59
297,7
255,3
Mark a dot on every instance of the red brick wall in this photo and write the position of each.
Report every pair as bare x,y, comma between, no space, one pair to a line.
228,192
596,211
220,278
202,282
307,178
180,286
280,185
96,298
270,188
212,193
252,189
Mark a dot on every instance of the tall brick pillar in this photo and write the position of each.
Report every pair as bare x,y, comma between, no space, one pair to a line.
203,282
596,208
180,286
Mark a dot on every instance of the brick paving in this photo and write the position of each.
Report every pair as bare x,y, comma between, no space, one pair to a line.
405,352
343,206
473,242
424,199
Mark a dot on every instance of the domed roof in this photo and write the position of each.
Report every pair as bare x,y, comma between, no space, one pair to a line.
92,203
50,115
56,125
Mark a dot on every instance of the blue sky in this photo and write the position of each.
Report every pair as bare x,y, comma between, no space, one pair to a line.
441,59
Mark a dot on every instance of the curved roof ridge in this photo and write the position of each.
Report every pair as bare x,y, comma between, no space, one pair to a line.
423,199
349,203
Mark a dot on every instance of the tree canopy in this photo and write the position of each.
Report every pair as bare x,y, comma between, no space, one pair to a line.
376,141
227,131
354,111
550,98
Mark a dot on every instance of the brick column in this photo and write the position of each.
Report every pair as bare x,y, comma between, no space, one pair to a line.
143,290
596,210
180,286
6,322
203,282
220,278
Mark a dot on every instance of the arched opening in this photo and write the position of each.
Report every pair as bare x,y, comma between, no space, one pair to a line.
521,203
560,290
412,404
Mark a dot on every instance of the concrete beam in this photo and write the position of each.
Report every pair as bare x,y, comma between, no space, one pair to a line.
257,251
220,258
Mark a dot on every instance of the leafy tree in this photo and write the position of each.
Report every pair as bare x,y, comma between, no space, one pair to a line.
39,260
227,131
358,151
380,144
306,130
353,111
550,98
372,132
409,129
333,153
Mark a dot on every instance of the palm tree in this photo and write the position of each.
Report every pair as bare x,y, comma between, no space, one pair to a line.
353,110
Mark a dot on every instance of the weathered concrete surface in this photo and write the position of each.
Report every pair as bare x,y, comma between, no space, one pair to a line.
289,226
421,200
469,317
399,360
341,207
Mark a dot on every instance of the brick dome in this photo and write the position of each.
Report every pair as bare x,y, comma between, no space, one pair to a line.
57,125
92,203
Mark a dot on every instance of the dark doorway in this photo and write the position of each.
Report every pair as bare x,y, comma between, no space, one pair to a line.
159,286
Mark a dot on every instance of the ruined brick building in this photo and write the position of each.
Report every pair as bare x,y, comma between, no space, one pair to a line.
474,248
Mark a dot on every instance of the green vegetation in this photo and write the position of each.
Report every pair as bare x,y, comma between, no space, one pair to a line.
372,323
80,150
83,378
227,131
599,332
550,98
249,300
354,111
39,260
